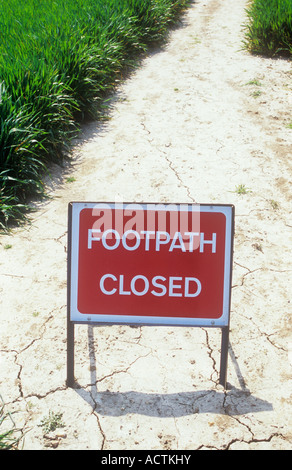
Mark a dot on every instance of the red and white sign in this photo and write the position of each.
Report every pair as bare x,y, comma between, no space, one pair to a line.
150,263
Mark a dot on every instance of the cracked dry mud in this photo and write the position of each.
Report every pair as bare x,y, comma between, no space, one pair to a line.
197,120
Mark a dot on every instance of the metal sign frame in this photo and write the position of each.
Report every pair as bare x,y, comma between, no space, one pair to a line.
73,316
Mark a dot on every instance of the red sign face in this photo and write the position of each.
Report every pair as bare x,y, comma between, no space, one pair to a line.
150,263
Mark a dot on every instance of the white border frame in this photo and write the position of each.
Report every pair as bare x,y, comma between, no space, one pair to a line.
101,319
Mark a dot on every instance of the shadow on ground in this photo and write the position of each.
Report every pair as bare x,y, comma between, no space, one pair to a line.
236,401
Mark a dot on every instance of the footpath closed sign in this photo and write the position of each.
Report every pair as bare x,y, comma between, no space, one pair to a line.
152,264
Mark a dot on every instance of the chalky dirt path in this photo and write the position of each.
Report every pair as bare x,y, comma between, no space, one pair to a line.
195,122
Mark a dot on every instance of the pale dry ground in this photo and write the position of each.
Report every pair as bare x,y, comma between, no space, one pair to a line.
197,120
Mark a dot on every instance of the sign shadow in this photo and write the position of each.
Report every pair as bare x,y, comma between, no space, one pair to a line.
236,401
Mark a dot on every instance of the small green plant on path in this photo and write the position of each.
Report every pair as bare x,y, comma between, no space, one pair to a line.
275,205
51,422
241,189
256,94
7,246
254,82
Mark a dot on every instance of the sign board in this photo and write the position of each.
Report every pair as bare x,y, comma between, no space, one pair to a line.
150,264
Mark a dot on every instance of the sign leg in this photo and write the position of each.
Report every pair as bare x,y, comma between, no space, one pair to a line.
70,354
224,356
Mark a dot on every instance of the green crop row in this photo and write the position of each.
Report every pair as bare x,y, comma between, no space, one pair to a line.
58,59
269,28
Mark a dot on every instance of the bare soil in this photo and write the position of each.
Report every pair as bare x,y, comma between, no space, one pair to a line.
200,120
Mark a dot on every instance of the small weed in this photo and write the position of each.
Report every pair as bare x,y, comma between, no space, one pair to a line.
289,126
254,82
256,94
196,40
275,205
35,314
71,179
52,422
7,247
241,189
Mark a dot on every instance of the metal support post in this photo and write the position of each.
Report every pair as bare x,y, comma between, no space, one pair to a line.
70,354
224,356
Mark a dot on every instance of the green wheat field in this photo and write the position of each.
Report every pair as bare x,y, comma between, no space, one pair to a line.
59,59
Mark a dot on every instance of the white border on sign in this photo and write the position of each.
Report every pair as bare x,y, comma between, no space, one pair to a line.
77,317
